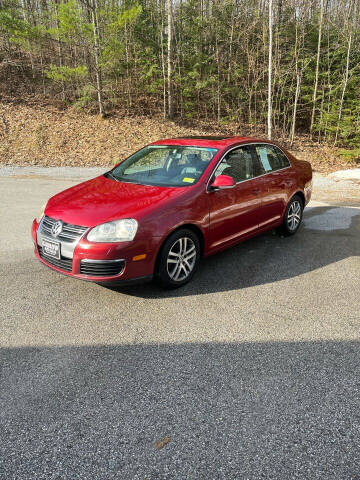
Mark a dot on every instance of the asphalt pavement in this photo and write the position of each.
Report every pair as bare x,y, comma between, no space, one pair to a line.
249,372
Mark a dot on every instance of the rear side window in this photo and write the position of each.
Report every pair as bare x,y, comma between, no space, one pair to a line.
271,158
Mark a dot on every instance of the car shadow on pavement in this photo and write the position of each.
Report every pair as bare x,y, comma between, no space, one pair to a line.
276,410
328,234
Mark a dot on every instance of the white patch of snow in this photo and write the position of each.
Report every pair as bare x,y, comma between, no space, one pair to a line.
351,175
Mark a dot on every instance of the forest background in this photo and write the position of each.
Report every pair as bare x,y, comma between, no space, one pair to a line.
89,81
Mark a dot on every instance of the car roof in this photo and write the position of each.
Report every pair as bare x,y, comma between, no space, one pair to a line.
208,141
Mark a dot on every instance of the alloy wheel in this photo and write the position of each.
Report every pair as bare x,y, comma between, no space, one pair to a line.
294,215
181,259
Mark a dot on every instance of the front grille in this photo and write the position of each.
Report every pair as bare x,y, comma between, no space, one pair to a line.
63,263
70,233
101,268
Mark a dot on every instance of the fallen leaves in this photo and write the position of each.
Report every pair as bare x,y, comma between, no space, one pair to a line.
161,444
33,134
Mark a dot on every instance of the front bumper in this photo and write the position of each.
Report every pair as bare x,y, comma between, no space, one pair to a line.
132,270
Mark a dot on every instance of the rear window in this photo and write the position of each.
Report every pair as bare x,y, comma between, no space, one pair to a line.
271,158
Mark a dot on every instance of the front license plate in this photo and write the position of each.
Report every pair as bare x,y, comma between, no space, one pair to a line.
52,249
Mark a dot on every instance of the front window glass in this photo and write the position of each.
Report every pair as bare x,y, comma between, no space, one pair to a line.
238,164
171,166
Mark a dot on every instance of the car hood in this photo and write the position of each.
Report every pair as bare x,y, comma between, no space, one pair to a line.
103,199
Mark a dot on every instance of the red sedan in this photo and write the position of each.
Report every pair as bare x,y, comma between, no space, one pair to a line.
157,213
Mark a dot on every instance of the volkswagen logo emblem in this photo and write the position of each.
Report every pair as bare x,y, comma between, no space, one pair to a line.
56,229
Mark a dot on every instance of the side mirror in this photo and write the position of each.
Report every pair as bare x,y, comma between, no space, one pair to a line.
223,181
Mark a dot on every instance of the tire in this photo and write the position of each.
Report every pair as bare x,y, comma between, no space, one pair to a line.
293,216
178,259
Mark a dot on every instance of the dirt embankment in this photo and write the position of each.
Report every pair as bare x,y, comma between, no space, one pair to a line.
45,135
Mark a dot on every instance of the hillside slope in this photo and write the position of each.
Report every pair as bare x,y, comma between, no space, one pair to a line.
45,135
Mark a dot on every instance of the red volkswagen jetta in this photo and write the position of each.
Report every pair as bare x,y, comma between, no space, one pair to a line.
157,213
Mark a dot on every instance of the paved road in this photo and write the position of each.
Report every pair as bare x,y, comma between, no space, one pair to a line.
251,371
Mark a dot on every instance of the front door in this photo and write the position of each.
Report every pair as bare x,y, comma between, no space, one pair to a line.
234,212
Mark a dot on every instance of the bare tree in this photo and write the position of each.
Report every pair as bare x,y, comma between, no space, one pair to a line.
298,71
25,17
170,60
59,46
346,77
269,115
163,65
94,15
317,66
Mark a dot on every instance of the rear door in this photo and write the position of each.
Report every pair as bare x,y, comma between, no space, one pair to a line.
278,180
234,212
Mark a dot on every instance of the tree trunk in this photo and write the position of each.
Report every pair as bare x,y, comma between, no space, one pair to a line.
317,66
344,88
94,12
297,93
170,61
60,53
298,82
25,17
269,115
163,64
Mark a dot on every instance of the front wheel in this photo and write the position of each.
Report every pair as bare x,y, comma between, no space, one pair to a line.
293,216
179,259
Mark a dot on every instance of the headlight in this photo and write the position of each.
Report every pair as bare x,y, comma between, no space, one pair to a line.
41,213
116,231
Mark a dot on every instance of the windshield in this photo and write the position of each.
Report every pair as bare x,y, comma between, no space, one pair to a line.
170,166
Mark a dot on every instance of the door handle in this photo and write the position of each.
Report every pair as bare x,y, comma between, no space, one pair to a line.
256,191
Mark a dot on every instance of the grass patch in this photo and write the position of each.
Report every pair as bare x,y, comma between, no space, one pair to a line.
352,155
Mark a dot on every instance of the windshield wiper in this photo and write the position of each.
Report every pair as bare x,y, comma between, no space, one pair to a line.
109,174
121,180
130,181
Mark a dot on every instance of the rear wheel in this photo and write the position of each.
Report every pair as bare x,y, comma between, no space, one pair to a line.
179,259
293,216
